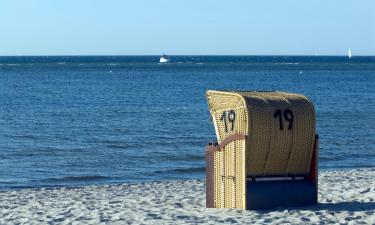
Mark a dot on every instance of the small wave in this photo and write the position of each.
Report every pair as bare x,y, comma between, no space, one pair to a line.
118,146
76,178
338,167
28,136
112,64
184,170
61,63
177,157
11,181
287,63
330,157
192,169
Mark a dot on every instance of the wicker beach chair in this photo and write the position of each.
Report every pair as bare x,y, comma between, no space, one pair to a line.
266,150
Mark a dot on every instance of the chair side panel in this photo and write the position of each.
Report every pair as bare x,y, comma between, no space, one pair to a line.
230,117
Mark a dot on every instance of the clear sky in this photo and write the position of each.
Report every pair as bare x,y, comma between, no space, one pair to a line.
203,27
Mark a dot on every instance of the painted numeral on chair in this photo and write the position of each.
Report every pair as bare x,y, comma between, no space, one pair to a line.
288,116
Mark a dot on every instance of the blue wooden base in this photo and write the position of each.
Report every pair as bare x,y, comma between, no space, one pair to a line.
262,195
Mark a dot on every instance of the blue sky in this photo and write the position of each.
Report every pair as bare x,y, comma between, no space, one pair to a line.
205,27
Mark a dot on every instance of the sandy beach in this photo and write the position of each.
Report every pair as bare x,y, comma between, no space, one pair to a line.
345,197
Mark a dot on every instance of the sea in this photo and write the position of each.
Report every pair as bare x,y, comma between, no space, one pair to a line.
82,120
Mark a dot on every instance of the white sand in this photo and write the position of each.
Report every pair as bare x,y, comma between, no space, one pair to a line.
345,197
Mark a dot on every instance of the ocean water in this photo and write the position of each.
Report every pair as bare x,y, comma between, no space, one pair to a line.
68,121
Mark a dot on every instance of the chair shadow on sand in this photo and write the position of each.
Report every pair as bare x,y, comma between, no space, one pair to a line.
345,206
332,207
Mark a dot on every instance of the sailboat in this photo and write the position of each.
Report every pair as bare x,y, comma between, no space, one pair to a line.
349,54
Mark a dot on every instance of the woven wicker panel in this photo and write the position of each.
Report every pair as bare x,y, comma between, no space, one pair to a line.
279,141
233,176
229,175
221,103
299,159
260,128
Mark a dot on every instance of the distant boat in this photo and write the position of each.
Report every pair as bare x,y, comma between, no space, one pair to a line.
164,59
349,53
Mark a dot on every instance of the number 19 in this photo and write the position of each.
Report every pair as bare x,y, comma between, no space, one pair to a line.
288,116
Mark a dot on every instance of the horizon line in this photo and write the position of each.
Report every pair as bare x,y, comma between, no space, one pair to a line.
140,55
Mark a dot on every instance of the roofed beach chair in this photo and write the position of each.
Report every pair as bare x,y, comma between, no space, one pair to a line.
266,151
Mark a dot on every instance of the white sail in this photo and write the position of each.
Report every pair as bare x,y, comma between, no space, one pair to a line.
349,53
